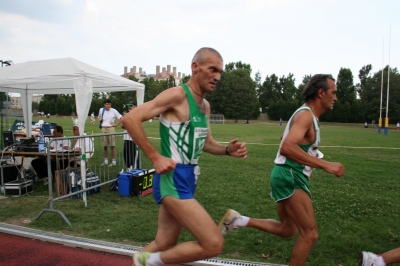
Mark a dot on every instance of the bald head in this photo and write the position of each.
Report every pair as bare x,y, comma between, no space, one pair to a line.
201,55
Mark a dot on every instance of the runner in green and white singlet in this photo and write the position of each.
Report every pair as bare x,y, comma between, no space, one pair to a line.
185,134
289,175
296,158
183,142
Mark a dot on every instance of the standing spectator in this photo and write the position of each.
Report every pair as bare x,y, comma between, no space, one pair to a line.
280,121
365,124
129,146
107,115
398,126
92,118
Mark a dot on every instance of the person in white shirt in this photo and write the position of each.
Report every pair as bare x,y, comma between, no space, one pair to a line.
92,119
107,115
81,144
40,164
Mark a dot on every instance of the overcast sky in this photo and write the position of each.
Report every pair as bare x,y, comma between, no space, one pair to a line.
273,36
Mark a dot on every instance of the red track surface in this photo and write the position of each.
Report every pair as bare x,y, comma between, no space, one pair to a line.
20,251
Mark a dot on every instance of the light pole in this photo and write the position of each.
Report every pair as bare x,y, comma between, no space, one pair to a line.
6,63
3,63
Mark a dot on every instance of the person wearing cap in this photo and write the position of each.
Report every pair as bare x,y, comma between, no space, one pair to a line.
107,115
130,158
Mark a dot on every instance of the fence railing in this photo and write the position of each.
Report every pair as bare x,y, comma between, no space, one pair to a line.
73,169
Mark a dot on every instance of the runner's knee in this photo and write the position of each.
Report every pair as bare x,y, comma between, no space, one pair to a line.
311,234
213,247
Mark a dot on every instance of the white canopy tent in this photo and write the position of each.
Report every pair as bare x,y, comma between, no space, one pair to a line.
62,76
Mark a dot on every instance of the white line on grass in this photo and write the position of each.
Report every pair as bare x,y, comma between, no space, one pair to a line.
349,147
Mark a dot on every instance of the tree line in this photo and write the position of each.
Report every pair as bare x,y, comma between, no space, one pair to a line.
239,96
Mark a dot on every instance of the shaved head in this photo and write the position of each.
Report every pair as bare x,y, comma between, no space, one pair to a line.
201,55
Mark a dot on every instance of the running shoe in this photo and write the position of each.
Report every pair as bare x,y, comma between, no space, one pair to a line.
140,258
112,164
226,223
367,259
103,164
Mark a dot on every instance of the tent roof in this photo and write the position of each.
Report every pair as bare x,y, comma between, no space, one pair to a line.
62,76
55,76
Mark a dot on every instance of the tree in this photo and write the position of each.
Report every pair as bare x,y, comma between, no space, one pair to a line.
235,94
345,86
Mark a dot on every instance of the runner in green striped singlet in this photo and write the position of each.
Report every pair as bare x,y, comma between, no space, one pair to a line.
296,158
185,134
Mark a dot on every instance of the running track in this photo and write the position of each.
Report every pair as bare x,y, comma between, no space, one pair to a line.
21,251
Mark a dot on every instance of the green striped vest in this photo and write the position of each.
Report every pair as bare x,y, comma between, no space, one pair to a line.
309,148
184,141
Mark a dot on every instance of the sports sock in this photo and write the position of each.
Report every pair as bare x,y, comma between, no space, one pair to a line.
114,161
155,259
106,160
241,221
379,261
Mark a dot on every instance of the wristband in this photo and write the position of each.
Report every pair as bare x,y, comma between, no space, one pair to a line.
226,151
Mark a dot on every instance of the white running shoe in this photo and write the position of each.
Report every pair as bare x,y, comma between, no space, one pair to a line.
103,164
367,259
140,258
112,164
226,223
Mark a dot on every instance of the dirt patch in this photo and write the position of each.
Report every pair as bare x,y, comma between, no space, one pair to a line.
18,221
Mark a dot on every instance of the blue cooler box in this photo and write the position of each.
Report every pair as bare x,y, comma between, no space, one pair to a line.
137,182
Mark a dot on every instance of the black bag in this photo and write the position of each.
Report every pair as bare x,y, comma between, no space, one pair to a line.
75,184
100,125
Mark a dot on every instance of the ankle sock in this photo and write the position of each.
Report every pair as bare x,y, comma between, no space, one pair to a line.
155,259
379,261
241,221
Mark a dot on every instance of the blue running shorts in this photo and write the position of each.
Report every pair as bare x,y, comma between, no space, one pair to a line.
179,183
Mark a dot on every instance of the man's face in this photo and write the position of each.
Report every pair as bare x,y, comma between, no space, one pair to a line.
209,72
56,133
329,97
75,130
107,106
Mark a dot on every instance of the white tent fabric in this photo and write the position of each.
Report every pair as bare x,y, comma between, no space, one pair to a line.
62,76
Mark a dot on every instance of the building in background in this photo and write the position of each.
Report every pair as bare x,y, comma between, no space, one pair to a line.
165,74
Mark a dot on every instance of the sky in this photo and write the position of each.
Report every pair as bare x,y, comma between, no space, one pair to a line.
278,37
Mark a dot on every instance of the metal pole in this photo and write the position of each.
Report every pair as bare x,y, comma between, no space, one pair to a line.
387,97
380,108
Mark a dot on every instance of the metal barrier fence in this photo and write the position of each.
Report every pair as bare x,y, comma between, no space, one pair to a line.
69,170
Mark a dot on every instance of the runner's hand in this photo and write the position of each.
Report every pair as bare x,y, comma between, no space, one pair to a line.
335,168
164,165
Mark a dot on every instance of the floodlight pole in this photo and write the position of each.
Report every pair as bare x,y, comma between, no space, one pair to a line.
380,108
387,97
3,63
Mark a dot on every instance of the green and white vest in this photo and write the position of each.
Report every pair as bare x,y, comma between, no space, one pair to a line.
184,141
309,148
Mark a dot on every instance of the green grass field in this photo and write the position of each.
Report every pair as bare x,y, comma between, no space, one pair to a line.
360,211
